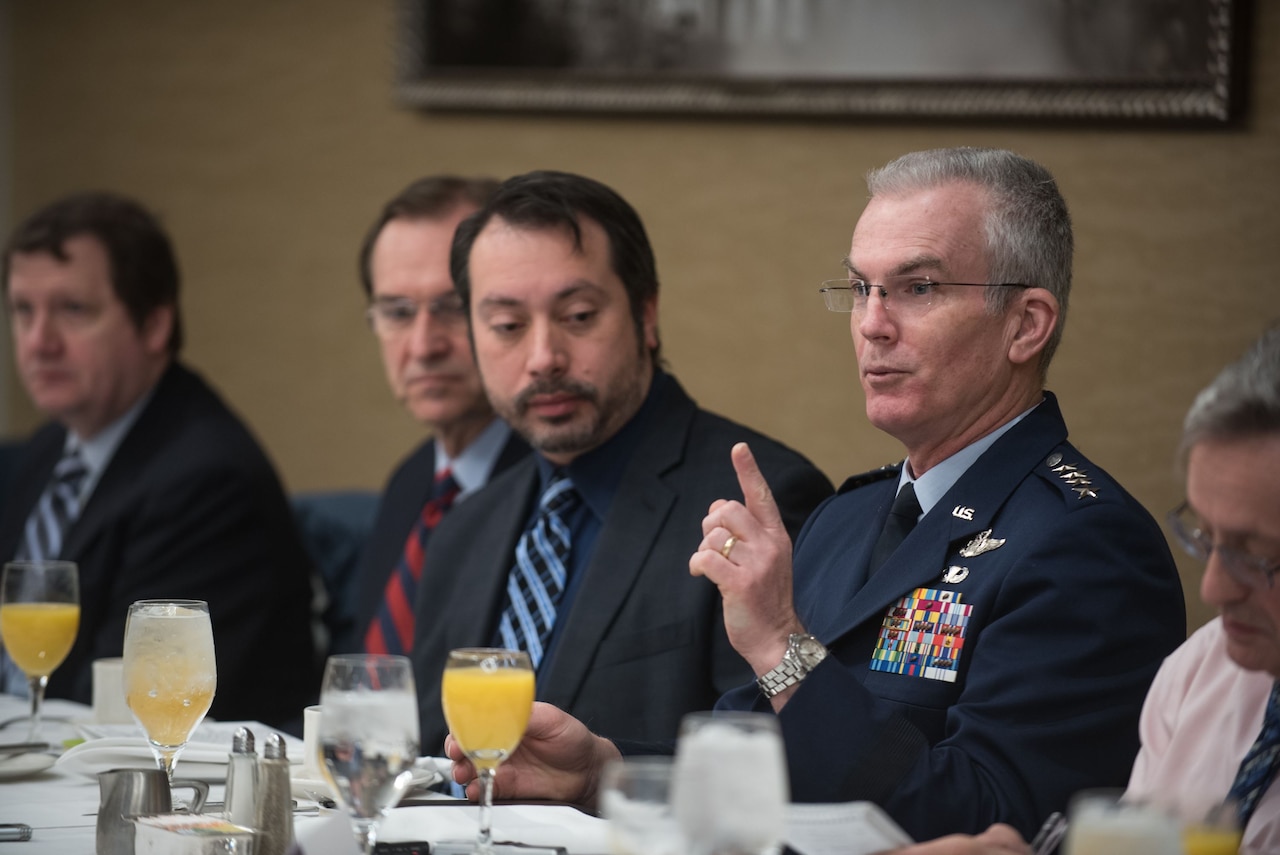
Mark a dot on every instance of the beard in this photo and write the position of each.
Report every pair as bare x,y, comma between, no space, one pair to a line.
599,416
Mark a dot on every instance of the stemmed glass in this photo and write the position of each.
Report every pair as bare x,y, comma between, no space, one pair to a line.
170,673
368,736
487,694
730,787
39,618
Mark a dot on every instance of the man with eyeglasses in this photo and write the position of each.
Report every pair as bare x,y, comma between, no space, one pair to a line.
421,328
966,637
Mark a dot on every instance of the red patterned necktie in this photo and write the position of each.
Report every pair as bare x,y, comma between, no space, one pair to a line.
392,628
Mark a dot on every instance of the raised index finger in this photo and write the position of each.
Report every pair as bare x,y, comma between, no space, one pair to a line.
755,489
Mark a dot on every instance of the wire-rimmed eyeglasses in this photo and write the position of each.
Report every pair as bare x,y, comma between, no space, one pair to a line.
1251,571
908,294
391,316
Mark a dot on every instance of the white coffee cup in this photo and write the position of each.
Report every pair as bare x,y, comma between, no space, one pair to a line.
310,741
108,692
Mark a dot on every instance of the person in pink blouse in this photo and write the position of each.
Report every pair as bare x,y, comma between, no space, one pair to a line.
1210,726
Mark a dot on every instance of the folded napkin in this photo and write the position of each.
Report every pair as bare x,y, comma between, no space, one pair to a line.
204,758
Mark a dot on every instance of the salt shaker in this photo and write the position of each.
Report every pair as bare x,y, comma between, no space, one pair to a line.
242,780
275,800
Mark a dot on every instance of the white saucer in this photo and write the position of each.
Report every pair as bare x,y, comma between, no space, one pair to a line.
25,765
426,772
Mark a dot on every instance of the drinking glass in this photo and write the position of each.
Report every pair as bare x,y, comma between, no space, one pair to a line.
1102,822
635,799
1217,832
39,617
730,788
487,696
170,673
368,736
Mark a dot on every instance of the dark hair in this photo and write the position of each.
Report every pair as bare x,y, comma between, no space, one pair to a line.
430,198
144,270
550,200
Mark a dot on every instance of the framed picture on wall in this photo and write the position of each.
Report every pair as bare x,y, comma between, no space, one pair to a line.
1163,61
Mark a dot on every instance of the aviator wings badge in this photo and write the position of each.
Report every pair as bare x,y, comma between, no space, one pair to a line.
980,544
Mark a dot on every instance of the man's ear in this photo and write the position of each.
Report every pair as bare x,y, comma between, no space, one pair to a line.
157,329
1037,314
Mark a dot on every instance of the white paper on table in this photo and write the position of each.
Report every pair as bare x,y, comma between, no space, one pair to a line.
535,825
847,828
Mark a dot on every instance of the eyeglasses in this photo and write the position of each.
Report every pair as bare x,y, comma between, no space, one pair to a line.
391,316
1251,571
907,295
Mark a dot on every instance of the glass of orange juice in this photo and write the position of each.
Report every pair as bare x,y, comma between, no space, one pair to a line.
39,618
170,674
487,694
1218,833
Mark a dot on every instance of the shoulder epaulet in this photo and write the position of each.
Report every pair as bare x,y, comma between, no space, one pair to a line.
1071,475
891,470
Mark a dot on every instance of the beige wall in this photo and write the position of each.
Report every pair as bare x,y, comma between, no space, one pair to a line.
265,134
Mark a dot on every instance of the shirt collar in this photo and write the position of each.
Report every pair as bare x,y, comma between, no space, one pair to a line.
934,484
97,451
472,467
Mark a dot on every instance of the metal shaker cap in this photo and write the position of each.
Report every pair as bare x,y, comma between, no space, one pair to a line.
274,749
242,741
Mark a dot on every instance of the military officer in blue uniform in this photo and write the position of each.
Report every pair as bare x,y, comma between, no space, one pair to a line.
966,637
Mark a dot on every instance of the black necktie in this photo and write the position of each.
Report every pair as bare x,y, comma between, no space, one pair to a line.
902,518
56,510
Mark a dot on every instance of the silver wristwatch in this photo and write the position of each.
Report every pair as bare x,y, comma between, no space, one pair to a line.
804,652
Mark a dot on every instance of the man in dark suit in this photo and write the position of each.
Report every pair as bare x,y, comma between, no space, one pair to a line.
422,332
170,496
970,633
563,295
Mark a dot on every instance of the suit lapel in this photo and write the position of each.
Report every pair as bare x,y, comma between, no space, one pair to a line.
637,514
473,619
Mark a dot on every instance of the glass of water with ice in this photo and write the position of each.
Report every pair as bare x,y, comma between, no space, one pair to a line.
730,786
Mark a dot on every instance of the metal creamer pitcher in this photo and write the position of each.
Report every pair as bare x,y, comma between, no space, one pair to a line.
128,793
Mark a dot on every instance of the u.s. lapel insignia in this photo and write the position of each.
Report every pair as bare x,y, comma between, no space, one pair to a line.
1073,476
984,542
955,574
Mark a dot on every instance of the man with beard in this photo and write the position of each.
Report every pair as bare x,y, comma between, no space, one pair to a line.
579,553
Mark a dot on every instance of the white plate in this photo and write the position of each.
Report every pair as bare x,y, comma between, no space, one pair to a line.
25,765
427,771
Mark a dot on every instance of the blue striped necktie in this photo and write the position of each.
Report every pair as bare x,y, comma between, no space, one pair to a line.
1259,766
57,509
537,581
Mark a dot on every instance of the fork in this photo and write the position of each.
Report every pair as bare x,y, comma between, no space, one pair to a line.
1050,833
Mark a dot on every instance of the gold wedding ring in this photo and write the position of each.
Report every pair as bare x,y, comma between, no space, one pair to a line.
728,546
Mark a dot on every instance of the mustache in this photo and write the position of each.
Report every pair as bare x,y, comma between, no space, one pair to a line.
554,387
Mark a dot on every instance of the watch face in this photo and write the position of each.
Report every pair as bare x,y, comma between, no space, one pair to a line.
810,650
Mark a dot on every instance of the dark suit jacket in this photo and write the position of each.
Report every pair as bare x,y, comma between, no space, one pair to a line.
405,495
1068,619
188,507
644,641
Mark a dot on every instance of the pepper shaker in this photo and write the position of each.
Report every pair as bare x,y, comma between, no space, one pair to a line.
275,803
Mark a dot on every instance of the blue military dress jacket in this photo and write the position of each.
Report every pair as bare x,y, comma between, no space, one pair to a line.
997,662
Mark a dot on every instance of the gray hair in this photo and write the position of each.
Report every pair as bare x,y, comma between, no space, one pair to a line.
1242,401
1028,229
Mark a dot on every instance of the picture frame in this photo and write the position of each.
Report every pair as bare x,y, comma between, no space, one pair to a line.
1099,61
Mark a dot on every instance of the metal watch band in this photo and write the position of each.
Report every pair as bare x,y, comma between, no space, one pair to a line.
782,676
793,668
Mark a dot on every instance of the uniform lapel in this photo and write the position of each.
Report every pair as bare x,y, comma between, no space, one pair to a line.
968,509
